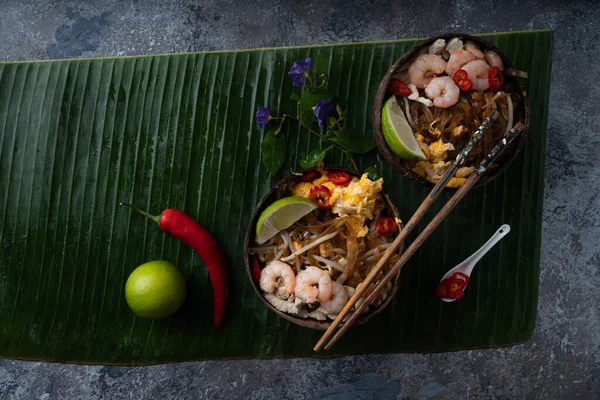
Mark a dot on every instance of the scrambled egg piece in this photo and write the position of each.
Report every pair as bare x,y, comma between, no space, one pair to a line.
322,180
464,172
302,189
358,198
429,170
439,151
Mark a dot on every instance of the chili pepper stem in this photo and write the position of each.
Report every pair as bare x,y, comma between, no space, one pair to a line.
152,217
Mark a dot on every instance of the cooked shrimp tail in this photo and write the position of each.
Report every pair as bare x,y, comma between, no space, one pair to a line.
278,277
474,49
478,74
423,69
457,60
313,284
337,300
443,91
494,59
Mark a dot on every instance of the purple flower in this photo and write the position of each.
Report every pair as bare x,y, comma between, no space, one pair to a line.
322,111
299,72
263,115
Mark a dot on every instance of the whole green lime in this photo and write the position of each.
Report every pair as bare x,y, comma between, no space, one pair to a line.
155,290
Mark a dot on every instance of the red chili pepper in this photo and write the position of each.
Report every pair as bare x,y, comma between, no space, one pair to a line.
461,78
310,176
442,290
255,270
495,78
453,287
386,225
460,275
185,228
398,88
340,178
320,195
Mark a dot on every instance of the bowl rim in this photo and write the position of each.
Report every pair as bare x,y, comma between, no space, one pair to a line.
250,233
510,153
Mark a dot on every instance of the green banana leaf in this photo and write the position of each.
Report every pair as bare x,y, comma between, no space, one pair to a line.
79,136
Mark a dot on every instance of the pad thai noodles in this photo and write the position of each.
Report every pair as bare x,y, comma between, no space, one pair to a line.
445,93
311,268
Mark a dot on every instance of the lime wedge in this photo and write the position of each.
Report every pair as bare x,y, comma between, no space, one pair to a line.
397,132
281,215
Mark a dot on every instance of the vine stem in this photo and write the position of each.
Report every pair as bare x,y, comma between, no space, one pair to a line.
319,135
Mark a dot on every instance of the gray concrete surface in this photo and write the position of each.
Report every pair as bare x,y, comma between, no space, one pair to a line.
562,361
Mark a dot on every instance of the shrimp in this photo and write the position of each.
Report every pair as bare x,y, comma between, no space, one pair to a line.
457,60
437,47
422,70
313,284
443,91
454,45
478,74
474,49
494,59
278,277
337,300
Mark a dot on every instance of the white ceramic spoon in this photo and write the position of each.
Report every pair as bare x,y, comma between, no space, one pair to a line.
466,267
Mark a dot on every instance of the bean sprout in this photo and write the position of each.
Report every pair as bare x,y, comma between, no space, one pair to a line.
330,263
310,246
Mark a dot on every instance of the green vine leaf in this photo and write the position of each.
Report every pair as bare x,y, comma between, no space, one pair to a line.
273,150
373,173
313,157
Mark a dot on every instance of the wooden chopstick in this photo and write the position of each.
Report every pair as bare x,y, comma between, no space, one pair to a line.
410,225
408,228
460,193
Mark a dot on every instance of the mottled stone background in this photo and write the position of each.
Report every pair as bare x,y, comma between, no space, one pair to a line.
562,361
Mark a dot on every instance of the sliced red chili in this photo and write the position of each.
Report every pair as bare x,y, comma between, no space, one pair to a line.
255,269
495,78
340,178
310,176
398,88
461,78
442,290
456,294
453,287
459,275
320,195
386,225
